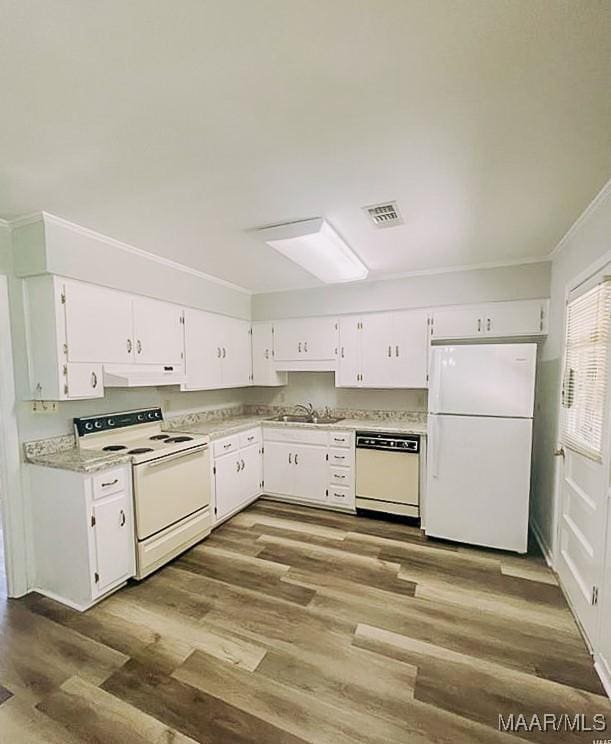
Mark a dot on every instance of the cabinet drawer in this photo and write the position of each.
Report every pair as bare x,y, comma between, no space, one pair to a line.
303,436
109,481
340,476
252,436
340,439
340,496
224,446
343,457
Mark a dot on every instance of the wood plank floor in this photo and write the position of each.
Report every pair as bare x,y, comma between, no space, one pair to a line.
298,625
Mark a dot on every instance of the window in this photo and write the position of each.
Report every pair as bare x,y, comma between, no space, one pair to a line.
584,385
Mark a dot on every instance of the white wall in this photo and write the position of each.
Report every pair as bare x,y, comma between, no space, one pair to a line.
527,281
587,242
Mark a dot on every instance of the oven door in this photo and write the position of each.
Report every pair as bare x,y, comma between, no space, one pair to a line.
170,488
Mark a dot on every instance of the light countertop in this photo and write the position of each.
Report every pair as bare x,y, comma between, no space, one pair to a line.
79,461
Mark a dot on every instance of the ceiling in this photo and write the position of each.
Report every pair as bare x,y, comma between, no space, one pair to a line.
177,127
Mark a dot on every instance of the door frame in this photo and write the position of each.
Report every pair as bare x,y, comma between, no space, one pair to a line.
13,516
581,279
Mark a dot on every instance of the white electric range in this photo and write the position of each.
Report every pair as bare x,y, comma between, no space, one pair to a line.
171,480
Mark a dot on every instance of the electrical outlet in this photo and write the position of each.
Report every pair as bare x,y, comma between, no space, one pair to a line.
44,406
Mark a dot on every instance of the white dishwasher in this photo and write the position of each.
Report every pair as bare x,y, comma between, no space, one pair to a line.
388,473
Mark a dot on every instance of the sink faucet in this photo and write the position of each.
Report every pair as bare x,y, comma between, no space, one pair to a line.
308,409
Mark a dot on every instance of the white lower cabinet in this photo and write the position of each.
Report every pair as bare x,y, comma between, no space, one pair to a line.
236,472
309,466
83,532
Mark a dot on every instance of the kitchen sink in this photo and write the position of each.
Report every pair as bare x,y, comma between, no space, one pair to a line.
294,418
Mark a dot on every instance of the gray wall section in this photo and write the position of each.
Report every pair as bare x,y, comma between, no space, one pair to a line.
587,243
527,281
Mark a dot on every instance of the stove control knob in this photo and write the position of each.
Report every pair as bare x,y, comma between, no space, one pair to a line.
151,415
157,414
110,422
98,424
140,417
89,426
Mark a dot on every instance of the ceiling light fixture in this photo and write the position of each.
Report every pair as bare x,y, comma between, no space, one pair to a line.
316,247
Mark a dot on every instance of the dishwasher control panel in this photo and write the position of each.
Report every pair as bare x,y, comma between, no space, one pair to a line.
384,441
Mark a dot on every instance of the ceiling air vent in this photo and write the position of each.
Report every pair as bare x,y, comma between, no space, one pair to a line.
384,215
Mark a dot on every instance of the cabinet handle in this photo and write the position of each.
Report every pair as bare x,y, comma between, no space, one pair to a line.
139,346
396,351
342,352
339,476
305,346
238,466
339,457
479,325
390,351
94,380
225,446
129,346
488,325
339,439
112,483
251,437
224,352
218,352
123,518
267,353
299,347
290,459
243,464
296,462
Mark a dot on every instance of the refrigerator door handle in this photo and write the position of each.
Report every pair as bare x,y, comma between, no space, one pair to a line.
434,445
436,380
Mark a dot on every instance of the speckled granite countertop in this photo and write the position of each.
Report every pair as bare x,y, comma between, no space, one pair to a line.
79,461
217,429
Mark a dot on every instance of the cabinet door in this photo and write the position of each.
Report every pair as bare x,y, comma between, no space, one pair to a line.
458,322
410,349
202,350
310,466
235,352
158,332
263,371
289,336
114,540
377,350
349,356
98,324
228,484
84,380
278,468
524,318
251,472
320,337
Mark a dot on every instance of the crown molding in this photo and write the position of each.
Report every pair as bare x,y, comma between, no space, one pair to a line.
592,206
126,247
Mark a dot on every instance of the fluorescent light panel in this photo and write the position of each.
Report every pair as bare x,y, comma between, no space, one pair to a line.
316,247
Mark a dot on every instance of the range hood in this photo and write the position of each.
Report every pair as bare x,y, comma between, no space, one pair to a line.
142,375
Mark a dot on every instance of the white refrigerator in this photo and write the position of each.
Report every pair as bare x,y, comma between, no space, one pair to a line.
481,401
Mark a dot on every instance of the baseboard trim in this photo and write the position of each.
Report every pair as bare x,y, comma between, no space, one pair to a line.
542,543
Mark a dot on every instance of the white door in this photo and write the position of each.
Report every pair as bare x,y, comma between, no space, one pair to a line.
278,468
228,484
319,338
262,339
514,318
251,472
289,336
202,350
483,380
411,343
377,350
349,357
84,380
458,322
114,541
584,472
478,480
236,353
158,332
98,324
310,465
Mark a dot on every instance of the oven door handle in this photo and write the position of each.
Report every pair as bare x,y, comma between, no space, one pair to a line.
177,456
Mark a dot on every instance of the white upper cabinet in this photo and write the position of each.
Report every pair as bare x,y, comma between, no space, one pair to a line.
383,350
263,370
520,318
305,340
217,350
98,324
158,332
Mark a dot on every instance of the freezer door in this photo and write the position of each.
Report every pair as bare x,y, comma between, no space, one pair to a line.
478,480
484,380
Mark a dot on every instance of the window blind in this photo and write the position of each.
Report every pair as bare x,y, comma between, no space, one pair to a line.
584,386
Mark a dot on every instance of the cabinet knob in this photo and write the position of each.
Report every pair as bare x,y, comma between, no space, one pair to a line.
218,352
224,352
342,352
267,353
290,459
396,351
129,346
237,466
488,324
296,461
305,346
299,347
139,346
94,380
479,325
390,351
123,518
